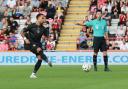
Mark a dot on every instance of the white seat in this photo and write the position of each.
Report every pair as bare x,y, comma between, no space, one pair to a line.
115,21
34,14
33,20
112,29
21,21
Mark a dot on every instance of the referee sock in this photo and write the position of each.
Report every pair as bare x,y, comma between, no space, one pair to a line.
106,61
95,61
37,66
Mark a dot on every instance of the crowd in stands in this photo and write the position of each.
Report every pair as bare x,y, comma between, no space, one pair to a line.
18,14
115,12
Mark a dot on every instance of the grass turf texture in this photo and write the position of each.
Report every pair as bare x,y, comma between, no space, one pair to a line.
63,77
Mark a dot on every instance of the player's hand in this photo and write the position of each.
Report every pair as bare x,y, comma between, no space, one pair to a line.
27,41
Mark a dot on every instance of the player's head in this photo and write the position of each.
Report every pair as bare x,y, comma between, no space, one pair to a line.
41,18
98,13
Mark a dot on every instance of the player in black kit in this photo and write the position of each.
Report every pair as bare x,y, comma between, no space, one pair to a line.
32,36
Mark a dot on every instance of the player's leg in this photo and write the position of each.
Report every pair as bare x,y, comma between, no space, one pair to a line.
105,56
36,67
95,61
40,56
35,49
44,57
38,64
96,45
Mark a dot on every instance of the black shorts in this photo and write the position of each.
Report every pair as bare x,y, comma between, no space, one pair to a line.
99,43
33,48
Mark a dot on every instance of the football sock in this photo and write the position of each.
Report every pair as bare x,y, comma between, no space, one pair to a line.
37,66
95,60
44,57
106,61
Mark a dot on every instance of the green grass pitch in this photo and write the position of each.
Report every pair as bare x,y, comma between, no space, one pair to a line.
63,77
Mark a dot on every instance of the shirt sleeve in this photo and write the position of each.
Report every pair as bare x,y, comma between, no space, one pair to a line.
89,23
27,28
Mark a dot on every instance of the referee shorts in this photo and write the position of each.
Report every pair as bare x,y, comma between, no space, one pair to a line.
99,43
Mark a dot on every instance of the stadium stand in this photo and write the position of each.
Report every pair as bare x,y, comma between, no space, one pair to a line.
18,14
115,12
76,12
61,18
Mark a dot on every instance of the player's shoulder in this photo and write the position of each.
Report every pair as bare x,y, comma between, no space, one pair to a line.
94,20
103,20
32,25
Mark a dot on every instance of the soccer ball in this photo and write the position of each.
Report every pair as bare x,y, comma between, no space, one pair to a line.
86,67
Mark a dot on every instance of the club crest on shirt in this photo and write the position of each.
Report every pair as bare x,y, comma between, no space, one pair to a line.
38,30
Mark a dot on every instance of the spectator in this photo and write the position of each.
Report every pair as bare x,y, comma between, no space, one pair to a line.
22,9
115,15
50,44
19,41
107,16
123,8
120,31
126,19
12,41
59,11
116,46
82,41
43,4
3,25
104,7
11,3
109,5
56,27
27,10
13,25
28,21
115,9
122,18
123,46
126,35
35,3
1,1
51,11
43,11
4,45
8,12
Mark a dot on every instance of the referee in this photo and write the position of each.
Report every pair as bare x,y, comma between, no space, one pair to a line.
100,34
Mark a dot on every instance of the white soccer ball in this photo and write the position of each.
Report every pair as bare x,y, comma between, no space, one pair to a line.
86,67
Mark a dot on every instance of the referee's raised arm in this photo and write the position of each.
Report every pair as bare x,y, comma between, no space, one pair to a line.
85,23
80,23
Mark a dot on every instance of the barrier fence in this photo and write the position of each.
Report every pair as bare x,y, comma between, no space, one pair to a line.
62,58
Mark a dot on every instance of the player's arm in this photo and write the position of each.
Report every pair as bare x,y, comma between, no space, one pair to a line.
106,34
23,34
86,23
80,23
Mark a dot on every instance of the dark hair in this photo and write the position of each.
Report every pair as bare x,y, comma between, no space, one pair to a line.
38,15
106,9
98,11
